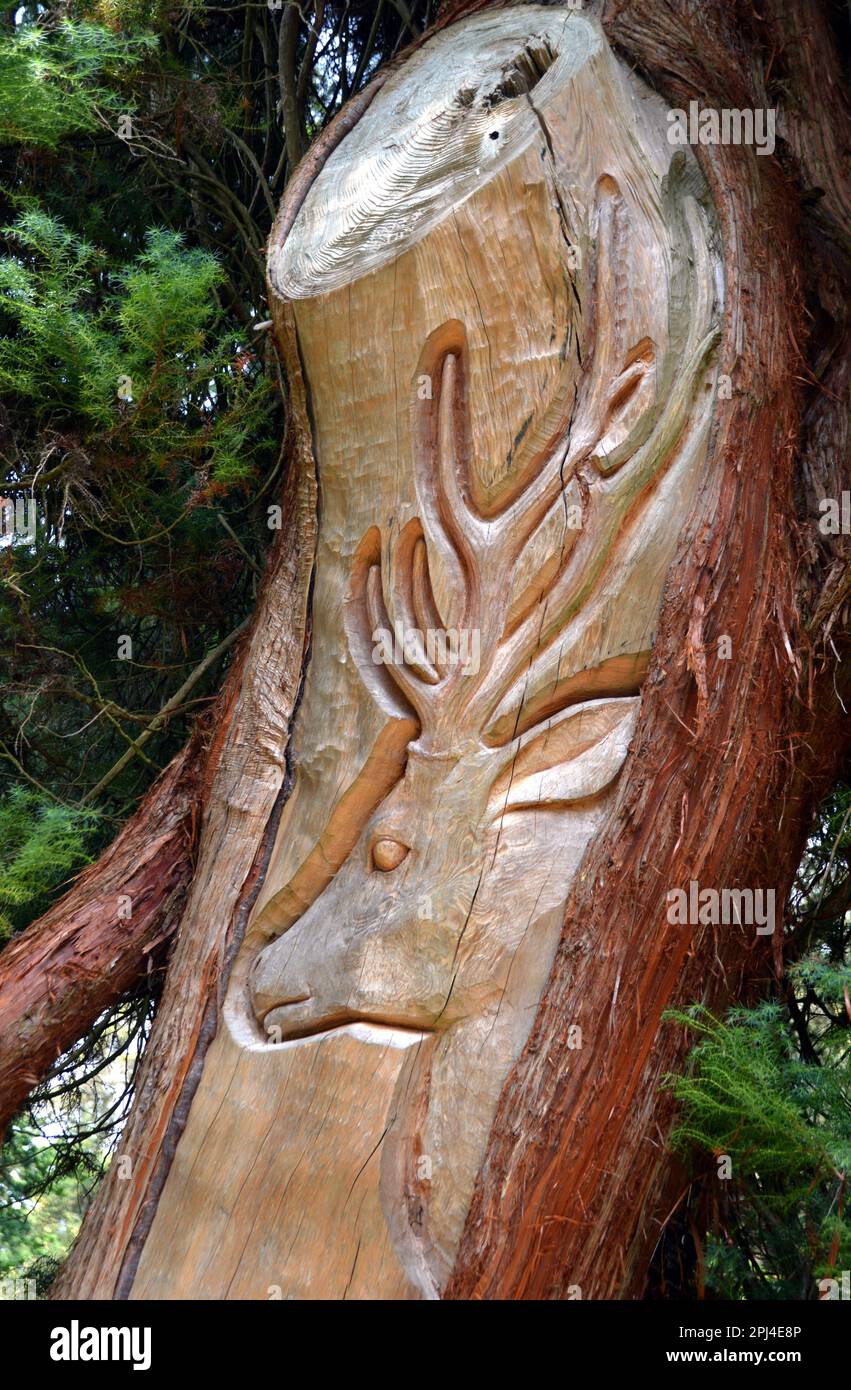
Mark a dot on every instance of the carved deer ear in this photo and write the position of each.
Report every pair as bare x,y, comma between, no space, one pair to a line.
576,755
621,401
631,408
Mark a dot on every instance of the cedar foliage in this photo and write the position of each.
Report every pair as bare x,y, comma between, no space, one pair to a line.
769,1087
40,844
142,155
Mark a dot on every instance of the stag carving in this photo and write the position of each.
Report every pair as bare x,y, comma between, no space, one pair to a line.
507,321
507,775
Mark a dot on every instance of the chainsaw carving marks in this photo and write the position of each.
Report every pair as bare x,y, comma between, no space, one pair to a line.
506,291
445,916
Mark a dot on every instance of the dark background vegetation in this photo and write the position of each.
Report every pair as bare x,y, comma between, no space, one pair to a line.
143,150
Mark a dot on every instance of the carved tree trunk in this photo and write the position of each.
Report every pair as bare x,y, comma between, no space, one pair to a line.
553,632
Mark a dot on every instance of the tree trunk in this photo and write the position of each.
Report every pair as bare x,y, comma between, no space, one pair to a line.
247,784
83,954
576,392
732,755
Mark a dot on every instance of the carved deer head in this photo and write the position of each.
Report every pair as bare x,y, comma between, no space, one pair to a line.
440,910
420,924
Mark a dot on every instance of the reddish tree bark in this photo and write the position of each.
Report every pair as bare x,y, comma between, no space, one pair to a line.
84,954
730,758
246,783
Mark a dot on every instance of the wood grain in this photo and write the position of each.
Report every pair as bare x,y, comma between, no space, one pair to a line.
505,287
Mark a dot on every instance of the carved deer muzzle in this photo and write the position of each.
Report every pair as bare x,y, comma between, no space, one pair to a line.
417,927
421,924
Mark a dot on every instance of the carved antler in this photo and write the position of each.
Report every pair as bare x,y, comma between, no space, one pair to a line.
627,409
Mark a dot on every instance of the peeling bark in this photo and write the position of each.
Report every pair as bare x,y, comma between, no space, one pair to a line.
728,764
720,788
82,955
246,785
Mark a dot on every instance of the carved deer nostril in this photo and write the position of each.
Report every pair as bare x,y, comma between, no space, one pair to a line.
388,854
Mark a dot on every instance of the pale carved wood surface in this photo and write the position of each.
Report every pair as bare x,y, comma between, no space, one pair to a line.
246,772
278,1197
497,335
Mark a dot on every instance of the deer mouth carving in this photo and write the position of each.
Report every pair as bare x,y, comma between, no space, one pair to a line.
508,762
410,933
422,942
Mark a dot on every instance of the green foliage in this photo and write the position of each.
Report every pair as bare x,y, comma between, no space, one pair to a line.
828,980
55,356
35,1228
41,844
131,377
55,79
139,410
137,360
748,1095
57,1149
770,1087
786,1126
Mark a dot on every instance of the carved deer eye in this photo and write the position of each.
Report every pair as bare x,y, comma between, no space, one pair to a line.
388,854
